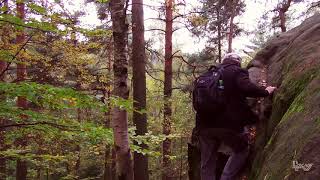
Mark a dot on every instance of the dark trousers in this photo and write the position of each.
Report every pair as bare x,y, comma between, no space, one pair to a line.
209,147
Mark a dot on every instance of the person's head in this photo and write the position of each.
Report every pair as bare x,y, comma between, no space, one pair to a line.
232,56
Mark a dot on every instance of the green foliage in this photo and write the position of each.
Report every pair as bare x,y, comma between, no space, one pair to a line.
47,96
38,9
151,140
44,26
11,19
102,33
51,123
5,55
213,22
102,1
61,125
19,24
64,126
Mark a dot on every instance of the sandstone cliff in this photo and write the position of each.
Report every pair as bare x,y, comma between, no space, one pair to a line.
290,127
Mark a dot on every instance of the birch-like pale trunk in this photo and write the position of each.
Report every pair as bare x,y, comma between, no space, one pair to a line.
120,67
108,161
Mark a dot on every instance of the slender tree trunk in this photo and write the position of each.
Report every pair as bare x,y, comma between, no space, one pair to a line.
108,175
3,66
113,163
41,151
76,168
78,161
167,173
108,156
120,67
282,21
107,161
2,159
2,148
234,6
181,159
139,86
219,33
22,101
282,14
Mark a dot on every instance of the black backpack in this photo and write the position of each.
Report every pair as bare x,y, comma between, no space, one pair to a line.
208,91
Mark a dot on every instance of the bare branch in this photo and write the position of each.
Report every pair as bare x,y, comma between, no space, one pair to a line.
154,77
314,5
155,29
193,66
147,5
173,54
177,16
176,29
158,19
126,7
155,52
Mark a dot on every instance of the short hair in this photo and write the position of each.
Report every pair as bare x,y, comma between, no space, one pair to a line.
233,56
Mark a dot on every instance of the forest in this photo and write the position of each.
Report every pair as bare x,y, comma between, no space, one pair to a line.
112,100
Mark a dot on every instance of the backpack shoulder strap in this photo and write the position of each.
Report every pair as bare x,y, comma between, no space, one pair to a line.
222,67
213,67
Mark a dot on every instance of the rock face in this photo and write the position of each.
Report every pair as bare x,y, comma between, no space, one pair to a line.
291,130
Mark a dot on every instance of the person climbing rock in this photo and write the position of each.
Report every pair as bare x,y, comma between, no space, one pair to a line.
222,127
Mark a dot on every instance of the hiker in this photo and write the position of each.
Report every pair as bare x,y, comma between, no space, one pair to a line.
222,126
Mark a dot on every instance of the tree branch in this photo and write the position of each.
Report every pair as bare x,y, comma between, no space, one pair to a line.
154,77
155,29
176,29
15,56
21,125
189,64
126,7
155,52
158,19
23,25
313,5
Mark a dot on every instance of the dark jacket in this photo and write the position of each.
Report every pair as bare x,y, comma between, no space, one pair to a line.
237,113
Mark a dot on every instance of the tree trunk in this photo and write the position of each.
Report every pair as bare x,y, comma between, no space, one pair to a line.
108,170
230,35
3,66
22,101
282,21
282,14
219,33
2,158
113,164
120,67
167,91
194,157
139,86
76,168
234,6
2,148
108,156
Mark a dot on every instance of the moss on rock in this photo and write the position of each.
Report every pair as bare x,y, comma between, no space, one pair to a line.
294,66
